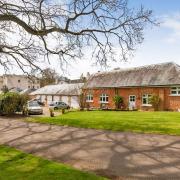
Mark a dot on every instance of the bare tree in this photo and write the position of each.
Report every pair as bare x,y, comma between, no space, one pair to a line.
32,29
48,76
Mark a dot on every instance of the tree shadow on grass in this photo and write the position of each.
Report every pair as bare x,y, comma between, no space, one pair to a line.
110,154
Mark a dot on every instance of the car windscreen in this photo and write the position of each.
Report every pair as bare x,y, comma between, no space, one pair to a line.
62,103
33,104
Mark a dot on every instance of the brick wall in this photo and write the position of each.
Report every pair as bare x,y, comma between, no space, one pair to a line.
174,103
167,102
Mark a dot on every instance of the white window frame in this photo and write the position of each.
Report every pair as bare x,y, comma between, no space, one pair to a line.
89,98
104,98
176,90
132,96
147,96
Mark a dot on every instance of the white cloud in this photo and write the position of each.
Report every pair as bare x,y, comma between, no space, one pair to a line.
172,23
155,49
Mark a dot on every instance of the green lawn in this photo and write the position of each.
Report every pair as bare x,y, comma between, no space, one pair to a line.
144,122
16,165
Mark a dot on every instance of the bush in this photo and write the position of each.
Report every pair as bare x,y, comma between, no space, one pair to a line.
11,102
118,100
51,111
82,101
155,101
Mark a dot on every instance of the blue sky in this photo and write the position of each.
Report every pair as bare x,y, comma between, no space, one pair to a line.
161,44
158,6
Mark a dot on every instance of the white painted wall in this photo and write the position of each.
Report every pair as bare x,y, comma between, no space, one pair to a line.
43,98
74,102
38,97
56,98
65,99
49,99
19,81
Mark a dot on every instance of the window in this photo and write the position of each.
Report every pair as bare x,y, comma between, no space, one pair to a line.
89,98
146,99
175,91
19,81
104,98
132,98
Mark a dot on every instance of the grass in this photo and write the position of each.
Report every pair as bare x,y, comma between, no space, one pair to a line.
143,122
16,165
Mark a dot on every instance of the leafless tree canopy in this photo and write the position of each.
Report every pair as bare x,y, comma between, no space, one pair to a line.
32,29
48,76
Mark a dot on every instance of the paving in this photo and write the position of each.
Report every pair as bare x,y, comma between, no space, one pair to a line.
46,112
112,154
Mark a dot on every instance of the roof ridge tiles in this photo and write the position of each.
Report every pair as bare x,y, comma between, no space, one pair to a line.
137,68
149,75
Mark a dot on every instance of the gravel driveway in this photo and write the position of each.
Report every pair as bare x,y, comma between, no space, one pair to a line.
111,154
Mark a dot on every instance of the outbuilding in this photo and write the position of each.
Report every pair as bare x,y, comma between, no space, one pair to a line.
68,93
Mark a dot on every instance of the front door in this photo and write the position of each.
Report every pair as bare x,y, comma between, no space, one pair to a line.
132,102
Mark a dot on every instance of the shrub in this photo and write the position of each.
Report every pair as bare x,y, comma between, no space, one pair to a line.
155,101
88,106
51,111
118,101
82,101
11,102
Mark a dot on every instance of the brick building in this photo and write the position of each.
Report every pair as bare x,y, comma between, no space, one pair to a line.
136,86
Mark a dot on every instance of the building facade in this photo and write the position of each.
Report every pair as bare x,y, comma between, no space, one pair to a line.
1,82
19,82
68,93
136,86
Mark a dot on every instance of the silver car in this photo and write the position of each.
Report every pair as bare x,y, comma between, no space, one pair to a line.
34,108
59,105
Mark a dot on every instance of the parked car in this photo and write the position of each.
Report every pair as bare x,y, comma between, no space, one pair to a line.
34,108
59,105
39,102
